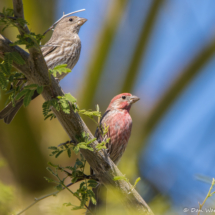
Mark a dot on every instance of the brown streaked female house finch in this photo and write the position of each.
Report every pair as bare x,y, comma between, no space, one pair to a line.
119,123
64,47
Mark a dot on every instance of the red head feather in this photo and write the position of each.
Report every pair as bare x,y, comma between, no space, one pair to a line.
122,101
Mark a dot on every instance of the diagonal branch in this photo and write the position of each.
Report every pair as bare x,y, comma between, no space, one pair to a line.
72,123
36,72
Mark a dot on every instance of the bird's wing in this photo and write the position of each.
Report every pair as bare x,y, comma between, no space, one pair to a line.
48,48
99,131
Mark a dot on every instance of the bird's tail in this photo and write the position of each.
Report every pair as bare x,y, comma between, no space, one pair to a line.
9,112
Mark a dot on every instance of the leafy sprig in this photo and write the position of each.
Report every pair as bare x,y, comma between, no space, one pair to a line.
7,76
209,194
64,103
56,151
84,192
7,19
28,39
59,70
14,82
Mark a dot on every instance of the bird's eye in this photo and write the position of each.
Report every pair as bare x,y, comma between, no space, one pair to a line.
123,97
70,19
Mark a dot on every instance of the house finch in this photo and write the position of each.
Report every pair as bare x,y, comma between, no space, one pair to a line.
119,123
64,47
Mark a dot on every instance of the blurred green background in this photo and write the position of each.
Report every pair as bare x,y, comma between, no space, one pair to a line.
160,50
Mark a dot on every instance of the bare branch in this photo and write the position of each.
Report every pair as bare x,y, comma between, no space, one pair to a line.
64,15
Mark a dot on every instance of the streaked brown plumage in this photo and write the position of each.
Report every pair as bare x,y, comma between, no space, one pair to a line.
64,47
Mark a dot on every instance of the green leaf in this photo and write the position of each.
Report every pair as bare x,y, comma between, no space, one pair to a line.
51,116
8,62
3,81
74,179
59,69
90,113
10,91
39,89
50,170
137,180
59,187
60,66
79,164
4,69
17,75
53,165
17,58
93,200
92,183
31,86
50,180
21,94
78,207
27,98
76,149
101,145
58,154
53,148
116,178
85,146
92,196
46,108
67,204
53,153
70,98
69,152
91,141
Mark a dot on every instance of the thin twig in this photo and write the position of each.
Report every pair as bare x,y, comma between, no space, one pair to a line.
65,186
208,195
81,177
64,15
8,17
36,200
67,142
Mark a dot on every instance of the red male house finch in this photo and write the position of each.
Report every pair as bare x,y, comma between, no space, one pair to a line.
64,47
119,123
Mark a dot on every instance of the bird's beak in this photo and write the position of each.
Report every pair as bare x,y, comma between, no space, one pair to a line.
81,21
134,99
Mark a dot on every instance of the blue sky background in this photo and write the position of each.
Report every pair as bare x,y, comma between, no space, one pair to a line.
183,144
